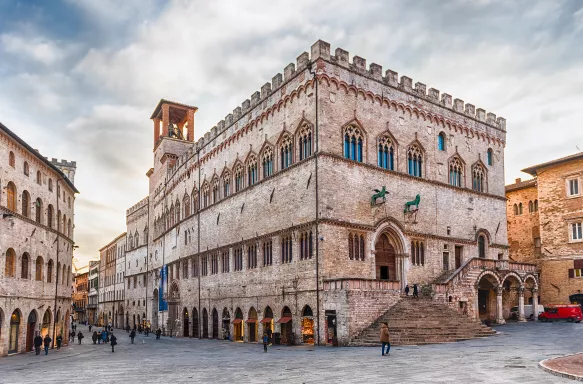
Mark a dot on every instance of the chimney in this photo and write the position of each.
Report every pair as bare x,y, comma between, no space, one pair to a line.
518,180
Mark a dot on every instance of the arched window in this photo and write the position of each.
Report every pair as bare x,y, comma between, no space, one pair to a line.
50,215
64,275
238,178
478,178
490,156
194,200
39,178
536,205
286,152
177,210
69,233
25,266
137,239
38,206
11,159
252,171
50,184
415,161
267,162
11,196
10,263
481,247
59,221
515,209
39,269
456,172
305,141
441,141
65,225
350,246
353,143
530,207
50,272
131,241
186,206
26,169
386,153
216,190
226,184
520,208
206,195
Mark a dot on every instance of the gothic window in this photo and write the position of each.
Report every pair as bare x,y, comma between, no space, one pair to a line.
415,161
39,269
441,141
216,190
50,184
25,266
186,206
206,195
38,178
177,211
350,246
251,256
481,247
131,241
478,178
536,205
455,172
26,169
137,239
417,253
267,162
252,171
353,143
194,200
238,256
238,178
11,159
355,246
490,156
306,243
286,249
10,263
11,196
69,228
530,207
25,204
286,152
50,272
38,205
214,264
50,214
226,184
195,271
305,141
204,265
520,208
225,261
267,253
386,153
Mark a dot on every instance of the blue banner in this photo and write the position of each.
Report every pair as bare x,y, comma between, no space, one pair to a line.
163,304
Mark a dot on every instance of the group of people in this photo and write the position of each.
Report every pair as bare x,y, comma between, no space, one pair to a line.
415,290
105,335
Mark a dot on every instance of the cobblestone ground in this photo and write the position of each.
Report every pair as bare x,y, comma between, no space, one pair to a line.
511,357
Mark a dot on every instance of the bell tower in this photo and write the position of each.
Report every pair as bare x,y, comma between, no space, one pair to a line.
173,120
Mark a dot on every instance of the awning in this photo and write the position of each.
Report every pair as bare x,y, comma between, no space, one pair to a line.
267,320
237,321
284,320
251,321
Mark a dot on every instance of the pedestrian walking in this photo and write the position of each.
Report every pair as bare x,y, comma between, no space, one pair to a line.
265,341
147,331
59,341
99,337
132,335
71,334
94,337
47,343
128,328
385,339
415,291
38,342
158,333
80,337
407,290
90,328
74,335
113,342
103,336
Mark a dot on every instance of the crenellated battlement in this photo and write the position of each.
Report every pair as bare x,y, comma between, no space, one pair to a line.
141,204
63,163
321,50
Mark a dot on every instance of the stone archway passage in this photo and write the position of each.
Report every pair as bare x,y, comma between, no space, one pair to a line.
185,323
385,259
14,331
215,324
30,330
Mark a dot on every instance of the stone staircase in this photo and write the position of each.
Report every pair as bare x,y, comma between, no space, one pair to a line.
422,321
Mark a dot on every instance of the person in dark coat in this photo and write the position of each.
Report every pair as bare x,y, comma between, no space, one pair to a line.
132,335
415,291
94,337
80,337
59,341
158,333
99,337
74,335
407,290
113,342
128,328
89,328
385,339
265,341
38,341
47,343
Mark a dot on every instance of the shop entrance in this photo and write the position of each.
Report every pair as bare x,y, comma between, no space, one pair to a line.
215,324
385,259
286,325
226,324
331,327
46,323
185,323
307,325
205,324
238,325
252,324
268,322
195,330
30,331
14,331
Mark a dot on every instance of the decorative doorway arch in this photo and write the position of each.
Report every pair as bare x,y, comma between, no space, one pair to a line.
215,324
15,320
173,303
390,251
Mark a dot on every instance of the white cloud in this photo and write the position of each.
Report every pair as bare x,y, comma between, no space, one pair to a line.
39,49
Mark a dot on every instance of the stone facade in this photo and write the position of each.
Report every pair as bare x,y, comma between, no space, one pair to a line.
93,297
551,235
111,283
36,241
267,220
80,296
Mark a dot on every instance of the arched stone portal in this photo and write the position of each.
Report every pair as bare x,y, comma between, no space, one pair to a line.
30,330
487,288
390,253
173,305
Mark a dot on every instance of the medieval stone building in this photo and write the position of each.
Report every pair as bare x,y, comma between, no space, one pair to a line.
311,206
111,283
37,203
545,219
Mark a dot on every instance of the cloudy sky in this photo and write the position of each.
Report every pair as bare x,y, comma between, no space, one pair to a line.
80,78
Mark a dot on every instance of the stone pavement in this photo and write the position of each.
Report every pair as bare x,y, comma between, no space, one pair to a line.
567,366
511,357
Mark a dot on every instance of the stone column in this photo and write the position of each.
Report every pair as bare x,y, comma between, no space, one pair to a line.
476,307
499,316
521,304
535,303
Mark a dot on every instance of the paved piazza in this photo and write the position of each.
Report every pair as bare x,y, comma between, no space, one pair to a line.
511,357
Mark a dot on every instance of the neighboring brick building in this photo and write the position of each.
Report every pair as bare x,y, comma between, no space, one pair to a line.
547,230
111,278
93,298
80,296
268,220
36,243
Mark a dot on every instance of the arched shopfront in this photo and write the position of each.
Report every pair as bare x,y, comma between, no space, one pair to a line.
31,330
307,325
185,323
238,325
226,324
195,328
15,320
286,324
215,324
252,325
267,320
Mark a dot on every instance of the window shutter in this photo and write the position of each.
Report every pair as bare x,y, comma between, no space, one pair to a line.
571,273
578,264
